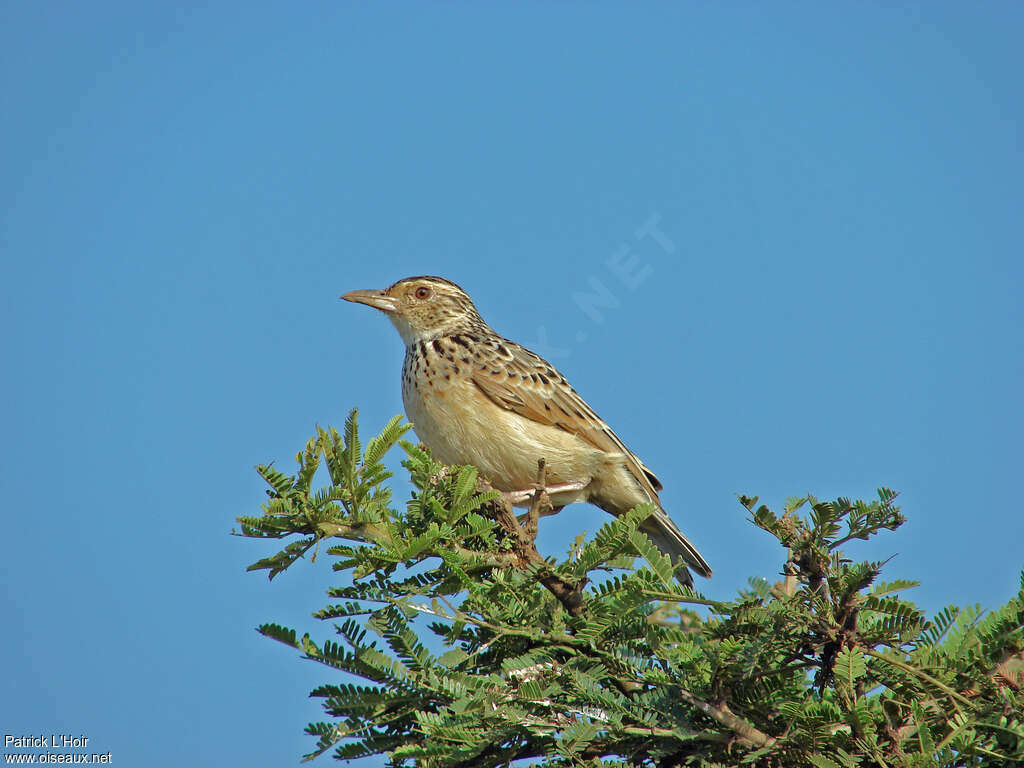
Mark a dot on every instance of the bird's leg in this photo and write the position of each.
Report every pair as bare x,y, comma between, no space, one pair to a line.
539,497
519,498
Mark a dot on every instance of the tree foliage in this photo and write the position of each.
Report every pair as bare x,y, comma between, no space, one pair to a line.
462,646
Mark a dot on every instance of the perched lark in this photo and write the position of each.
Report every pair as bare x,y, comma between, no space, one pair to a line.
477,398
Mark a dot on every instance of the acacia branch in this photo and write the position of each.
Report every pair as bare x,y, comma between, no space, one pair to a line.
747,734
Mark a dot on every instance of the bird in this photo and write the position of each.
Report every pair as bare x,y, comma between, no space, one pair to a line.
474,397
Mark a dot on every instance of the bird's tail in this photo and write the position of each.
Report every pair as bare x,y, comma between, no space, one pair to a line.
667,537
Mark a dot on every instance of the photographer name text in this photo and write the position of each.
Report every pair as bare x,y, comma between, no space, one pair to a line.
51,741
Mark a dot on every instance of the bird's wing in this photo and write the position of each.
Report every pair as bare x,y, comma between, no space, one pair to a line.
520,381
525,383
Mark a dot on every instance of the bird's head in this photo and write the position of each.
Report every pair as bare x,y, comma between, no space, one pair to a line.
422,308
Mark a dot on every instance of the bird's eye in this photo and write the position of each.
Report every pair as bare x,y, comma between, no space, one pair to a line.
422,292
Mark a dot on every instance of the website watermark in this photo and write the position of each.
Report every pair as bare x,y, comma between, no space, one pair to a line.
51,748
625,269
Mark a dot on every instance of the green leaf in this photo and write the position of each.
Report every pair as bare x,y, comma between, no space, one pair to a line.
849,667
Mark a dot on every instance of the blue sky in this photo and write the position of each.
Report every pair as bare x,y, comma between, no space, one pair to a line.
823,297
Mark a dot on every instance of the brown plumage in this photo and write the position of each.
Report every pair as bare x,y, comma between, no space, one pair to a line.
477,398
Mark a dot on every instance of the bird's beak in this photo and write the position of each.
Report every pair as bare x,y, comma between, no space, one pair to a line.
376,299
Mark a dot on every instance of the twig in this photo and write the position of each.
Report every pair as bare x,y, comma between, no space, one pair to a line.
746,733
790,571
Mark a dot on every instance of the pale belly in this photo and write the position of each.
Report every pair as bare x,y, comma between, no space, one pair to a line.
460,425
